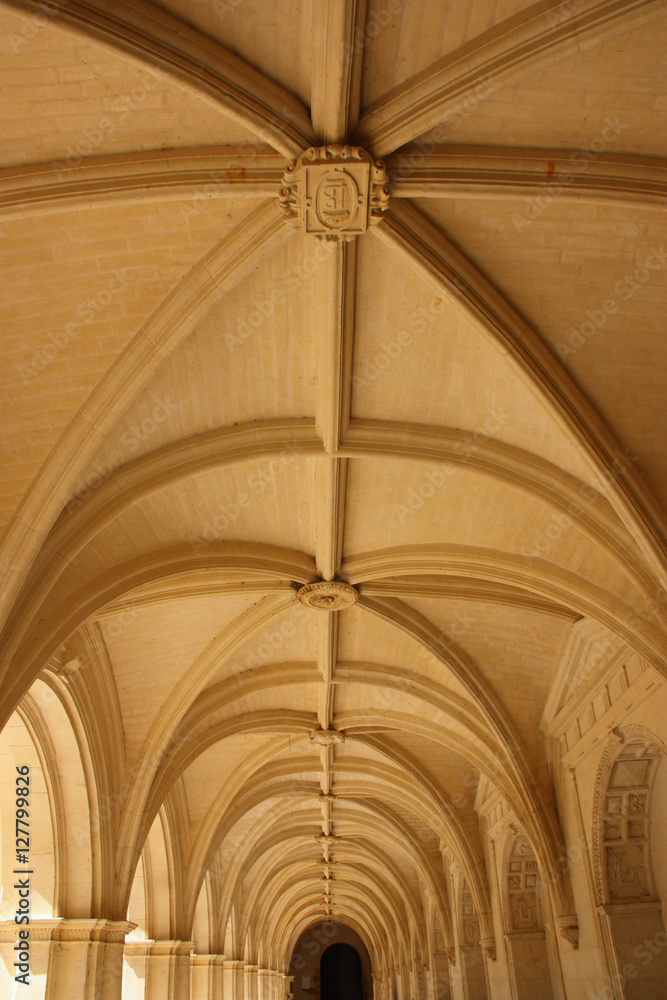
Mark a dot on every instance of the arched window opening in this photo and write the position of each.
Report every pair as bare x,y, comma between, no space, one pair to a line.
340,973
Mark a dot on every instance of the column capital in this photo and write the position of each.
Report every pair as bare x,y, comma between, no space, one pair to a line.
489,948
92,929
40,930
160,947
233,963
207,960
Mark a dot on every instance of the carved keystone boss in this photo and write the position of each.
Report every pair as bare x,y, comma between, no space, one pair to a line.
334,192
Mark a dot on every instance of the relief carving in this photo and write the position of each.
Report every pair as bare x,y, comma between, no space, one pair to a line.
523,909
626,872
334,192
637,803
621,843
328,595
521,875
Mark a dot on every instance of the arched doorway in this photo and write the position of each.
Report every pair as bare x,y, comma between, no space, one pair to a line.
341,974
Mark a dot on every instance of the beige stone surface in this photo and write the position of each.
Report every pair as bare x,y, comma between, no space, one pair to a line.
439,391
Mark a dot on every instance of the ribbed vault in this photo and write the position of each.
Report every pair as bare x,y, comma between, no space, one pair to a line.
233,409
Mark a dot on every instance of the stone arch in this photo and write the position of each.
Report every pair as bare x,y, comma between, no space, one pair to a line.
522,909
201,931
621,804
341,972
629,903
469,934
525,917
66,762
307,955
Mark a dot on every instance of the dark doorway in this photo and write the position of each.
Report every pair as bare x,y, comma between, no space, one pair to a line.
340,974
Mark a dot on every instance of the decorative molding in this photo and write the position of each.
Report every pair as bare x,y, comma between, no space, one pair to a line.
90,930
466,171
41,929
521,881
407,230
334,192
164,948
150,175
201,288
327,840
70,666
569,929
587,654
194,60
336,67
326,738
479,68
489,949
607,873
326,595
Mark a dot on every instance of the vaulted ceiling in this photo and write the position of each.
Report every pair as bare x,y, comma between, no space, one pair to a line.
460,413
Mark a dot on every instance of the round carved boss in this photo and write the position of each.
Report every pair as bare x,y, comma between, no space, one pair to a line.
328,595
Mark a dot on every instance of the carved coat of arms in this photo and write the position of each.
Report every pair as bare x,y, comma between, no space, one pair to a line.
334,192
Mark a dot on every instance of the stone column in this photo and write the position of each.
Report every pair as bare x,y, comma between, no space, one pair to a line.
277,985
250,982
420,979
264,984
86,959
39,945
168,970
206,977
404,982
232,979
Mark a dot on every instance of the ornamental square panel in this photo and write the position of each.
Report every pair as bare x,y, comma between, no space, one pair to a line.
334,192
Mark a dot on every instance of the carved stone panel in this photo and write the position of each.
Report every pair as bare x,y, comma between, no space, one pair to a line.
624,824
328,595
470,930
334,192
521,886
626,872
